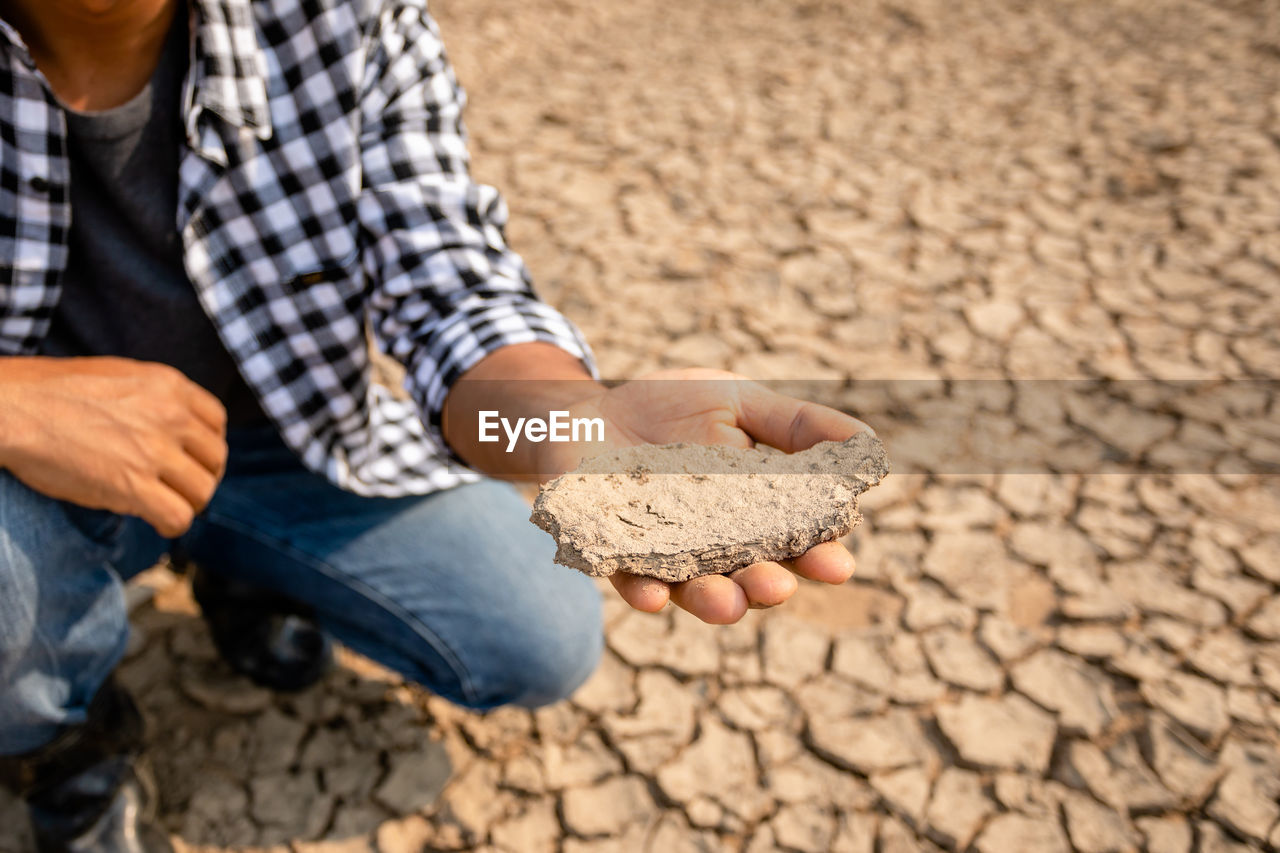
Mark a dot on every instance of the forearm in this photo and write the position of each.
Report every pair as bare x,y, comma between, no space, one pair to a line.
8,428
21,376
519,381
16,372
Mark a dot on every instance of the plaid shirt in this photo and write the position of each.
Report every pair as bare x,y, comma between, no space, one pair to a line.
324,197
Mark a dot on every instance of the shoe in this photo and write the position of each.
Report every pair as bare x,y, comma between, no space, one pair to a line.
270,639
87,791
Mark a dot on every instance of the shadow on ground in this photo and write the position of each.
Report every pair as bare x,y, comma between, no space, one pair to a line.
239,767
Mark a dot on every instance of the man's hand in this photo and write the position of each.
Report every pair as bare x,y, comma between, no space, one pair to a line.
131,437
693,405
713,407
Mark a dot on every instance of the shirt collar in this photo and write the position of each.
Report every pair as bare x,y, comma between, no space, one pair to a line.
229,68
15,41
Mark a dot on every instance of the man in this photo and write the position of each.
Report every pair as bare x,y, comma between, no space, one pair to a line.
204,211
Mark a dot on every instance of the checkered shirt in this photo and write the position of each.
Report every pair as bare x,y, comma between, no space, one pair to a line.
324,198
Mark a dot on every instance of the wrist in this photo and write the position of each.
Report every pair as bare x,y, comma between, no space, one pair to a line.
13,426
550,459
528,430
501,395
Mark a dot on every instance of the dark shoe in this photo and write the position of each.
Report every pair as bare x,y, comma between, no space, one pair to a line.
271,639
85,791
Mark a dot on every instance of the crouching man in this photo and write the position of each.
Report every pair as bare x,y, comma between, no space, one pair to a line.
206,211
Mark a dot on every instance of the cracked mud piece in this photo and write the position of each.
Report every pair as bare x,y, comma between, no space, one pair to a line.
679,511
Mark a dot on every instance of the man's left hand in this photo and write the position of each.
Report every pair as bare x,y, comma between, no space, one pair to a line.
712,407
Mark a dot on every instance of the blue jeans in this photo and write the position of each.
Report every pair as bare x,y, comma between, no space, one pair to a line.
456,590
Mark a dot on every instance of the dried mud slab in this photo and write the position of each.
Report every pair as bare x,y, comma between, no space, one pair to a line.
678,511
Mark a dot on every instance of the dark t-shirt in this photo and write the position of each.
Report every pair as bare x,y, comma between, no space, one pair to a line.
126,291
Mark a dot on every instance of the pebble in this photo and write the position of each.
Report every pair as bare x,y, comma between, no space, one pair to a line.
606,808
760,706
1248,798
792,651
906,791
1198,704
610,688
404,835
1094,828
895,837
662,722
686,647
1224,656
930,607
995,320
583,762
830,695
975,567
807,778
1262,558
856,833
863,661
1265,622
958,807
1214,839
1009,641
1183,765
1166,834
1152,588
957,659
1091,640
535,829
805,827
1080,695
1138,784
720,764
1027,733
415,779
1241,594
1018,832
870,744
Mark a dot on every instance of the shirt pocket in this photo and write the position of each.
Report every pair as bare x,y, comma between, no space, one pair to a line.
346,273
330,293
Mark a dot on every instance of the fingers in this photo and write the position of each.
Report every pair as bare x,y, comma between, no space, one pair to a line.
724,599
647,594
790,424
208,448
829,562
190,479
712,598
765,584
207,408
166,510
716,599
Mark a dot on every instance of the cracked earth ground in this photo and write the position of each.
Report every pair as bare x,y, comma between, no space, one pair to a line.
839,190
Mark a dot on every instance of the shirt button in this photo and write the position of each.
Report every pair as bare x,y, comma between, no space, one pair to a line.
39,184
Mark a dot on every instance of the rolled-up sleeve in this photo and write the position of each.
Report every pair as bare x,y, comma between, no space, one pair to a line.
446,289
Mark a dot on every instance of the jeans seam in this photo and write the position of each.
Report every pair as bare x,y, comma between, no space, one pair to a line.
363,590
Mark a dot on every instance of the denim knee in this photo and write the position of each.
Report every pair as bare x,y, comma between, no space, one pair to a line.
63,623
546,654
19,594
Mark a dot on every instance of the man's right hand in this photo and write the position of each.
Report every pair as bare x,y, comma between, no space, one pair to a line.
131,437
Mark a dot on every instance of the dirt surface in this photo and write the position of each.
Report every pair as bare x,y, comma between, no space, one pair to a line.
680,511
836,190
